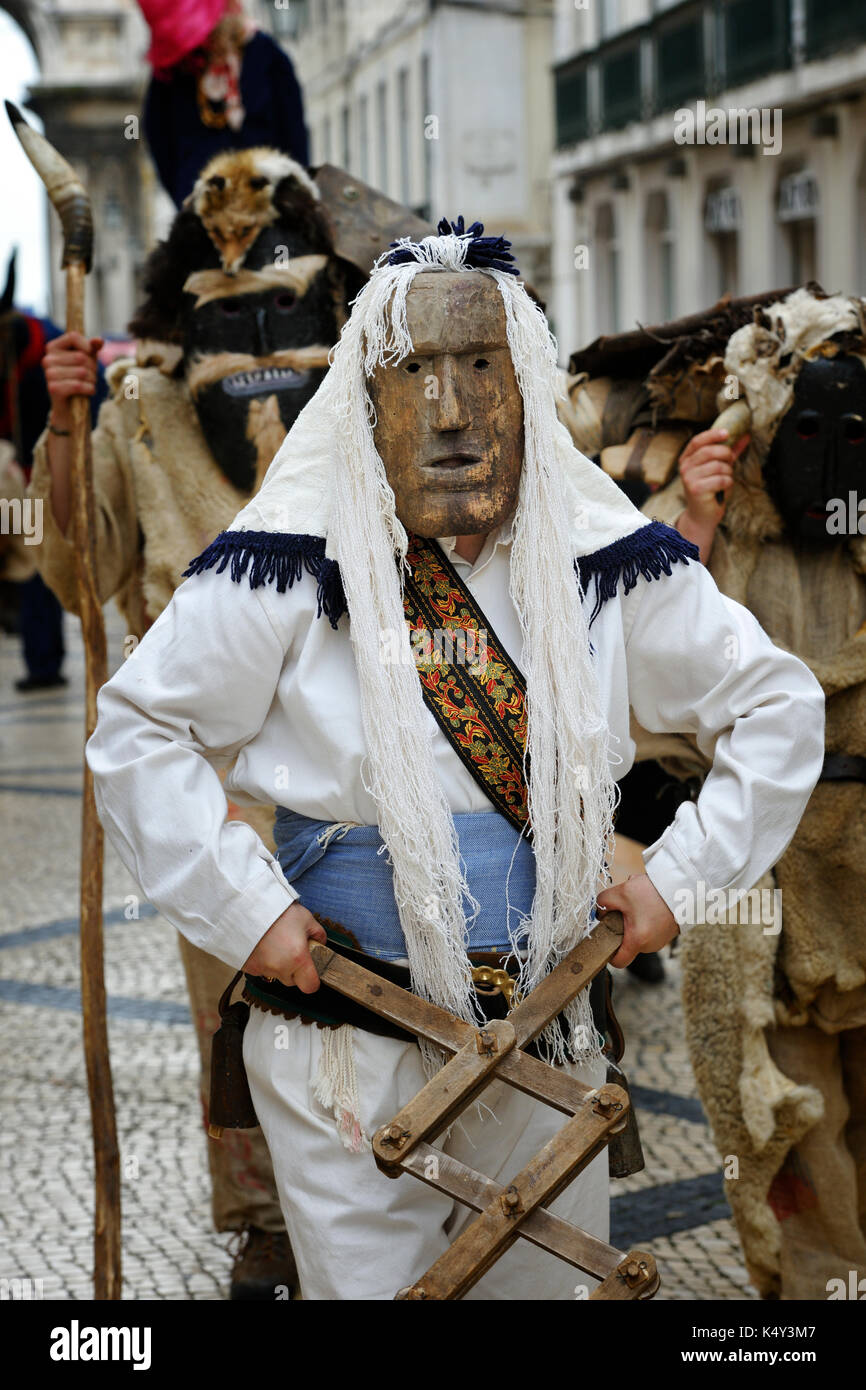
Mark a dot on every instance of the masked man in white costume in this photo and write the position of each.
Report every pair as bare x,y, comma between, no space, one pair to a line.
440,802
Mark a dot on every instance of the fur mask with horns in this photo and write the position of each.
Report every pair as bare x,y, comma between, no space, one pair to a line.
248,287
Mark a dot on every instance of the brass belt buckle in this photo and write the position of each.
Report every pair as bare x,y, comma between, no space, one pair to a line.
489,981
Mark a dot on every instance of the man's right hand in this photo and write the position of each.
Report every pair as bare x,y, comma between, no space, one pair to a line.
707,470
283,952
70,369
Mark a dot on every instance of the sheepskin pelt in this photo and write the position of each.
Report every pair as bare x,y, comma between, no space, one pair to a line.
766,357
160,494
756,1113
737,981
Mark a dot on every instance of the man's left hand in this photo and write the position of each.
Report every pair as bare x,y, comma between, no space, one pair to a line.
649,922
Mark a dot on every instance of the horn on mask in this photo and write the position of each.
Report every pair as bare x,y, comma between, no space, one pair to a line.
737,420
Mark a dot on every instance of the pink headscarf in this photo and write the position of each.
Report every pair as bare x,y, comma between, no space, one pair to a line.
178,26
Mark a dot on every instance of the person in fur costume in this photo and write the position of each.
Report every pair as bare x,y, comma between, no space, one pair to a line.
244,301
776,1009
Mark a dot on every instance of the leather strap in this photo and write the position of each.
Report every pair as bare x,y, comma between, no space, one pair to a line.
843,767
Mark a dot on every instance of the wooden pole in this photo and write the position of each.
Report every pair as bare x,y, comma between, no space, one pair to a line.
106,1236
71,203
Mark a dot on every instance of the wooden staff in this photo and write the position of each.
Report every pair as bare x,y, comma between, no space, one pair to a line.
73,207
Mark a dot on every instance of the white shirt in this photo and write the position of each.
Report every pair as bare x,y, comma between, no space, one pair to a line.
228,672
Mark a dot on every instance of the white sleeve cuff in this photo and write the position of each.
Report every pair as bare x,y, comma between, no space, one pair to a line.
674,877
242,926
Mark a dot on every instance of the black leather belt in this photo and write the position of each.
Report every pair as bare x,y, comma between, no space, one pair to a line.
330,1009
843,767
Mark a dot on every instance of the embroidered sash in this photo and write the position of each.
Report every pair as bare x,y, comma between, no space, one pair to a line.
470,685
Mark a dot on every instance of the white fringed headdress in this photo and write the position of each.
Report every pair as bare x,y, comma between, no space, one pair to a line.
328,481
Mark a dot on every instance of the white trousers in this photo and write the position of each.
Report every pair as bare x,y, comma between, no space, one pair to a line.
357,1234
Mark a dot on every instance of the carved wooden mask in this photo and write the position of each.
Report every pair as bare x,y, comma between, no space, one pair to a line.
449,417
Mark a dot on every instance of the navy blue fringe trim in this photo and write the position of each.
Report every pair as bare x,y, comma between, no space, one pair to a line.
648,553
275,556
269,556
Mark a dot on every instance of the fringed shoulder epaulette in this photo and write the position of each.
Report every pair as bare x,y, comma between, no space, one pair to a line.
647,553
276,557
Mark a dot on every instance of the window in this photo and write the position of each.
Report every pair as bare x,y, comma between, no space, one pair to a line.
797,208
679,60
364,137
620,87
291,17
572,106
757,38
405,132
427,101
606,249
382,124
345,138
834,24
660,258
723,220
801,251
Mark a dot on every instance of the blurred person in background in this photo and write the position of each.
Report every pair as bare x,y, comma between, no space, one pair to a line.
218,84
29,607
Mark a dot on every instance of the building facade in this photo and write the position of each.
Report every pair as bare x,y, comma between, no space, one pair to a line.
704,147
89,96
447,107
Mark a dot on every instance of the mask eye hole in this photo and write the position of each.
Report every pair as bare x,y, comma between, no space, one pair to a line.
413,367
853,429
285,300
808,424
230,307
481,364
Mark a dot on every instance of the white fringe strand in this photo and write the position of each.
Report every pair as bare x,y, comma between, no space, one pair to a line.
337,1086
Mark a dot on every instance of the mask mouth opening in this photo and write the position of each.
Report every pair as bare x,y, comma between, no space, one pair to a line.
259,381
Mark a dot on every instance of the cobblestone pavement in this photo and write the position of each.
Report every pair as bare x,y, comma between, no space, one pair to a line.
675,1207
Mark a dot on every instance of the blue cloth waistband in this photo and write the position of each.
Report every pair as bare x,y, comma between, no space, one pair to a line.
344,873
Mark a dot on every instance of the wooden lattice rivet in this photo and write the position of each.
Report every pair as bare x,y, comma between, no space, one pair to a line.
510,1200
634,1273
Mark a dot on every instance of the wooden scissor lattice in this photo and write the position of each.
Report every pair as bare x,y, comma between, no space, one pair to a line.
495,1052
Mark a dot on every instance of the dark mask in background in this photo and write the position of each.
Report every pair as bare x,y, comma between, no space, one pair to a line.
819,450
254,359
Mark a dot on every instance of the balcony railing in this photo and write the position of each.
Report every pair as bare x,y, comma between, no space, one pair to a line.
701,49
620,88
679,64
757,38
572,104
834,24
